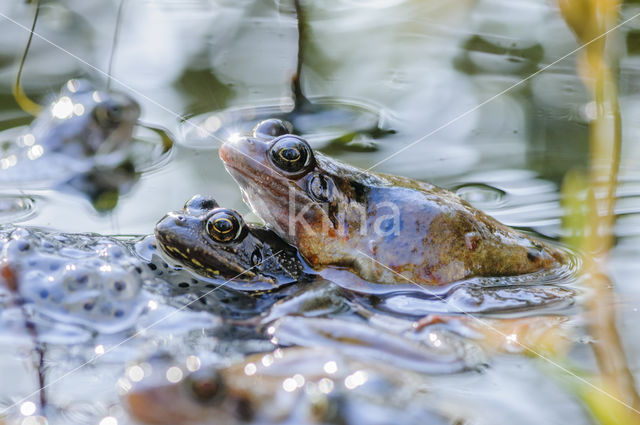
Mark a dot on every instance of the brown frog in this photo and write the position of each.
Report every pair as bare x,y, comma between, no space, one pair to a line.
302,386
386,229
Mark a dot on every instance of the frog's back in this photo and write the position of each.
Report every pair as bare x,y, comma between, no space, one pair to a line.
431,235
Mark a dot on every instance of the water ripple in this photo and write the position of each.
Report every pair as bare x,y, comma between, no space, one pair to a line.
16,208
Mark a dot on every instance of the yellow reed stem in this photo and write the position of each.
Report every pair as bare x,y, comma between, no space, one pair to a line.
19,95
597,68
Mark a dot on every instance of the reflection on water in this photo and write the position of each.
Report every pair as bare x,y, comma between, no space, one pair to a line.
517,198
417,67
328,124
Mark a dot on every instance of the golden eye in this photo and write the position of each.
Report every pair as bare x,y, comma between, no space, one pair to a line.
224,226
291,154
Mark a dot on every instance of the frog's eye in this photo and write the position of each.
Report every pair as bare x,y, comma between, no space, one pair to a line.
268,129
224,225
291,154
108,114
206,386
321,188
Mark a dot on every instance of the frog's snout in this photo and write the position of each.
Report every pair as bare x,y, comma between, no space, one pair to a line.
240,152
169,222
233,150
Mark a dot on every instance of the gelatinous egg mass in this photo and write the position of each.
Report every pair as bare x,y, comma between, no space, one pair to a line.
81,279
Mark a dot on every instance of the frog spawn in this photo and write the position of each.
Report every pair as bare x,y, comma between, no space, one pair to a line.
78,279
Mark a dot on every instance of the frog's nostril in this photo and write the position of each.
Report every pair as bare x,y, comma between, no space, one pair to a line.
180,219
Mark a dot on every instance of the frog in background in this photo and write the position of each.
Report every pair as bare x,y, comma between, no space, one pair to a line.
81,141
80,129
289,386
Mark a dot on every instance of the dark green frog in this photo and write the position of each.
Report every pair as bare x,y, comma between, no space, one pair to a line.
216,243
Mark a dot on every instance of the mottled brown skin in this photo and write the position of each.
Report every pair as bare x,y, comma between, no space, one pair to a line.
230,397
435,238
234,395
237,394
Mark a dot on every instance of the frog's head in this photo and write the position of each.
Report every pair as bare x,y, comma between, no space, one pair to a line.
210,240
312,201
100,121
216,242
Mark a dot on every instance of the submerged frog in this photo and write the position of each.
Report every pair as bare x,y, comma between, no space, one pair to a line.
386,229
435,344
83,121
80,142
381,341
216,243
80,124
293,385
79,279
